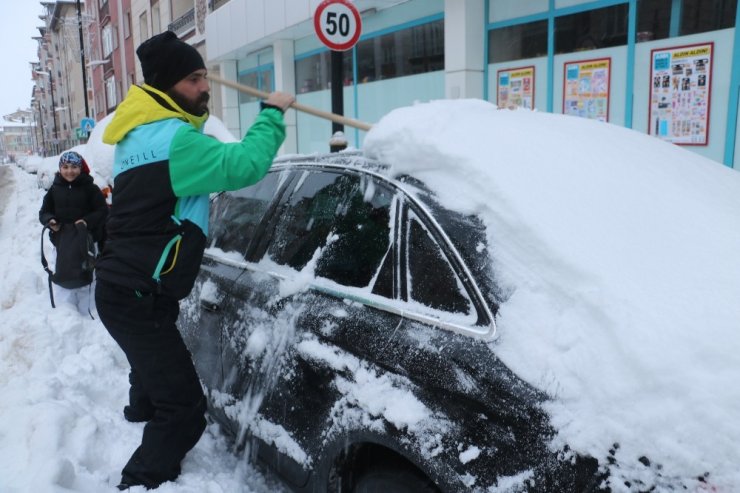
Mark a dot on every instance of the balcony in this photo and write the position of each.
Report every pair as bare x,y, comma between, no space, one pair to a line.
185,23
103,13
214,4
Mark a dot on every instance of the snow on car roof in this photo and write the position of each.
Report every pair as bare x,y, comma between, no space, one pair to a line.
620,252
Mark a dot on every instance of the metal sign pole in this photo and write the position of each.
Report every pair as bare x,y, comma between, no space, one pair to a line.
337,89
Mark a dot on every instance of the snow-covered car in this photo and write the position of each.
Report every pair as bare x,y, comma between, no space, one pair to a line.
47,168
30,164
480,300
374,369
97,155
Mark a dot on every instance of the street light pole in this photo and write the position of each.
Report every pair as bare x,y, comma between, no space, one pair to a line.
82,58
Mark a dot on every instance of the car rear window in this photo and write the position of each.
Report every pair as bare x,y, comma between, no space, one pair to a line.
342,219
432,280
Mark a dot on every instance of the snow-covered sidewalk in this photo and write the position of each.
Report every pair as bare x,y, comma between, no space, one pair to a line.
63,381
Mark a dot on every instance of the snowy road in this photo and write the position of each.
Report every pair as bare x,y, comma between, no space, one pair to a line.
64,381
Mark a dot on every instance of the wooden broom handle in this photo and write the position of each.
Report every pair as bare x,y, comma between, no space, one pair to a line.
295,105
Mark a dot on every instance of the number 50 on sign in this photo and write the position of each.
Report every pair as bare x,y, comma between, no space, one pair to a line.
337,24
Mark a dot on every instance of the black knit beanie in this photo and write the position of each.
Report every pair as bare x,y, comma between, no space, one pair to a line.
165,60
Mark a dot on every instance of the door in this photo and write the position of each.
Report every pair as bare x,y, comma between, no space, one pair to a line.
211,308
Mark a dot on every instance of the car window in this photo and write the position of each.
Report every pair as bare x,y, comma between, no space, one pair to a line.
347,216
235,215
432,280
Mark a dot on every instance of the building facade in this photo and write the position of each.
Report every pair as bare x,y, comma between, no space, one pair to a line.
112,64
186,18
59,95
670,68
18,135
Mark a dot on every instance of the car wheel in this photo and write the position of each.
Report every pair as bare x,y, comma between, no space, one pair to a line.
386,479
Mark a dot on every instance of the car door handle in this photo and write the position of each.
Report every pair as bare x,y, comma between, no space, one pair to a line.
209,306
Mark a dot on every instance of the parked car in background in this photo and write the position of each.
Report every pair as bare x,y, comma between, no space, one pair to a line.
30,164
47,168
339,323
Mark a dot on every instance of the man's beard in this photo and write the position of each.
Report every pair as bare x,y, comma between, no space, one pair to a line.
197,108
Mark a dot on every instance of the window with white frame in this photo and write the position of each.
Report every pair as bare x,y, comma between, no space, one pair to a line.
143,27
127,24
110,91
156,22
107,40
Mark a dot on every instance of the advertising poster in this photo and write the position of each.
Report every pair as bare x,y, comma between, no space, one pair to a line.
679,93
516,88
586,89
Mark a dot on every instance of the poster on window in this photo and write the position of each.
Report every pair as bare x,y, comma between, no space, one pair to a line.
679,93
516,88
586,89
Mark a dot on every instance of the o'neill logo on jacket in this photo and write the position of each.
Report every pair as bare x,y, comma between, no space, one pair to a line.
138,159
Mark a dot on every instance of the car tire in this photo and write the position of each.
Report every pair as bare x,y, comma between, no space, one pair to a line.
387,479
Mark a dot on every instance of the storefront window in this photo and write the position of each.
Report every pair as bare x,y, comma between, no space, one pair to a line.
593,29
653,19
415,50
313,73
259,79
698,16
517,42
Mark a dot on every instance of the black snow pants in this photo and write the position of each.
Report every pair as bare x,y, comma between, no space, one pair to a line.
163,380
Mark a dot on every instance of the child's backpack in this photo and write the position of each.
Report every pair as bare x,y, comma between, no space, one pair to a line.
76,254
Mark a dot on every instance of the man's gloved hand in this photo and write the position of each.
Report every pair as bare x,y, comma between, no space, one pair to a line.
280,100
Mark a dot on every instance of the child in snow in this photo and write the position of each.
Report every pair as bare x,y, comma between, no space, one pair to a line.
74,198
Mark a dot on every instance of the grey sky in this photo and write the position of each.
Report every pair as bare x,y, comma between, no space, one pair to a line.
18,24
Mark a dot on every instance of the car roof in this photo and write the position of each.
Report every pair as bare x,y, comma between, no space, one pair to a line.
351,159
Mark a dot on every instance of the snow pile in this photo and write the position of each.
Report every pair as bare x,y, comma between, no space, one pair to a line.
64,381
621,254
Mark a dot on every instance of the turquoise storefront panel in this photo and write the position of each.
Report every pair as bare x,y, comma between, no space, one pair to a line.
376,100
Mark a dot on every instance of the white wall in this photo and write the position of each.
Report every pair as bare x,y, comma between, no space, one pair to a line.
465,36
241,22
559,4
736,157
502,10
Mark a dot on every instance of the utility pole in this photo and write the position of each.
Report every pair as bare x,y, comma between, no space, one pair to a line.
41,122
53,107
82,58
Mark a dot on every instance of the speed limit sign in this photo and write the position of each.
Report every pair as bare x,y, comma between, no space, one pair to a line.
338,24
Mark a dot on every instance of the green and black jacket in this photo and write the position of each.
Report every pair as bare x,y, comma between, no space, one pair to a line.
164,168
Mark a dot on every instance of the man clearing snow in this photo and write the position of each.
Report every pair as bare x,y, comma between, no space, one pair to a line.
164,168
